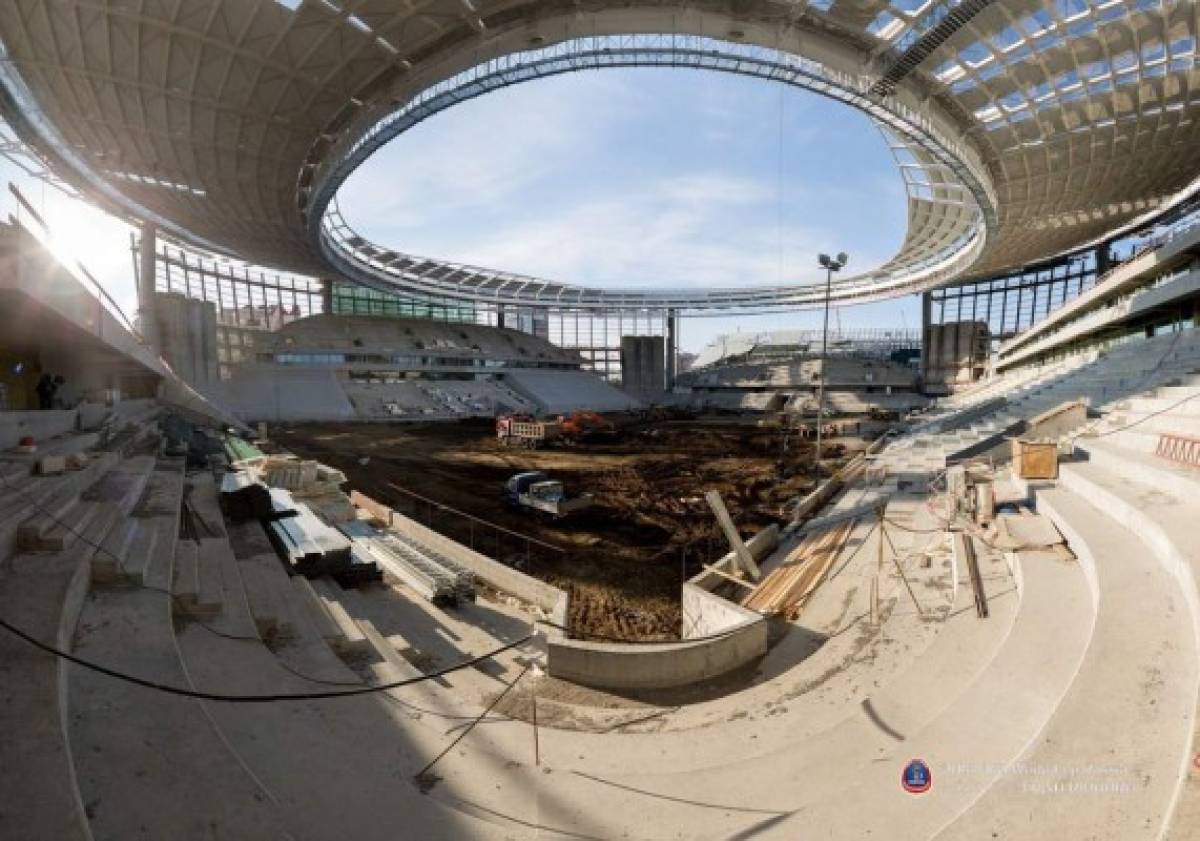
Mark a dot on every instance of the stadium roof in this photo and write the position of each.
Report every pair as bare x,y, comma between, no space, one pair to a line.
1023,129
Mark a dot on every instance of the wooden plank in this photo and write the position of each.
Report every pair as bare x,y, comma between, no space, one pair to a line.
787,586
743,555
728,577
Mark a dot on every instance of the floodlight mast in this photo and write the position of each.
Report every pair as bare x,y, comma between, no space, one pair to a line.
831,265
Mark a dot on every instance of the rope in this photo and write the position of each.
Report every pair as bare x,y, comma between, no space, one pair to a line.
1137,422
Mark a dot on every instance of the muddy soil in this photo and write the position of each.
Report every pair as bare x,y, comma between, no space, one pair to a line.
624,558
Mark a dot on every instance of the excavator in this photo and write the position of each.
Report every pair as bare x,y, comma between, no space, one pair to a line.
586,425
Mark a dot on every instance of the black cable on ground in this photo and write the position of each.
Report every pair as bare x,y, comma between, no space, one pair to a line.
255,699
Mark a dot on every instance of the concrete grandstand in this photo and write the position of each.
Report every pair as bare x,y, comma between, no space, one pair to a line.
257,577
784,371
379,368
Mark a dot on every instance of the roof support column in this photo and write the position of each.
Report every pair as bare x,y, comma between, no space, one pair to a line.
671,349
147,262
326,296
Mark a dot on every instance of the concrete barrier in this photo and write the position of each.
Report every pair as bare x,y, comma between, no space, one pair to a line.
719,635
607,665
42,425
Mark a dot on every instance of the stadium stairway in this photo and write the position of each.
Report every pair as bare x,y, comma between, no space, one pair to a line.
1106,383
1107,764
151,765
41,592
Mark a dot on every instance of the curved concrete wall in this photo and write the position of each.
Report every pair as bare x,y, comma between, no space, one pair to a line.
724,637
608,665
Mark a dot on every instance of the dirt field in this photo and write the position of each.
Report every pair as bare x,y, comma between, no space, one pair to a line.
625,557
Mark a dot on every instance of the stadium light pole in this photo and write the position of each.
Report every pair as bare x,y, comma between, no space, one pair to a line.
831,265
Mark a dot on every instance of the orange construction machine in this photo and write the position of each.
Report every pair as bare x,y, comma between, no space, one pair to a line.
586,425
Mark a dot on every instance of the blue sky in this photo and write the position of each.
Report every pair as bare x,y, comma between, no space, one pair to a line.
644,177
615,178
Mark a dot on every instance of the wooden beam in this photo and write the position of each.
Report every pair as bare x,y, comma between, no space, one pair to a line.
743,555
724,574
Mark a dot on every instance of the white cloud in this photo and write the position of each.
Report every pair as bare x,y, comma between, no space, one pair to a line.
697,231
480,154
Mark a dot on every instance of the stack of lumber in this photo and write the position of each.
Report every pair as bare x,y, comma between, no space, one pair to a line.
289,473
319,485
424,573
786,589
240,450
310,547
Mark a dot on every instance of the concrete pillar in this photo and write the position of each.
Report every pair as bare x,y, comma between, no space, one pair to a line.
500,315
147,261
1103,264
672,349
327,296
926,315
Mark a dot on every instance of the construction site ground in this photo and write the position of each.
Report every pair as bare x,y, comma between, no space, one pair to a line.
622,560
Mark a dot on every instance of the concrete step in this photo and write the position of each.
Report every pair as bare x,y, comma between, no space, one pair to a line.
1143,467
65,533
329,595
397,667
49,516
1147,405
263,595
330,631
43,595
185,581
1168,422
366,749
1166,524
304,648
1175,393
152,765
220,583
210,589
1117,739
160,505
143,548
108,564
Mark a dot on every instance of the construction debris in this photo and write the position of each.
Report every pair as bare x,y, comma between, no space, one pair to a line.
1026,531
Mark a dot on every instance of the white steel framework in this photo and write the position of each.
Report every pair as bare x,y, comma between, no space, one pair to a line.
229,123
